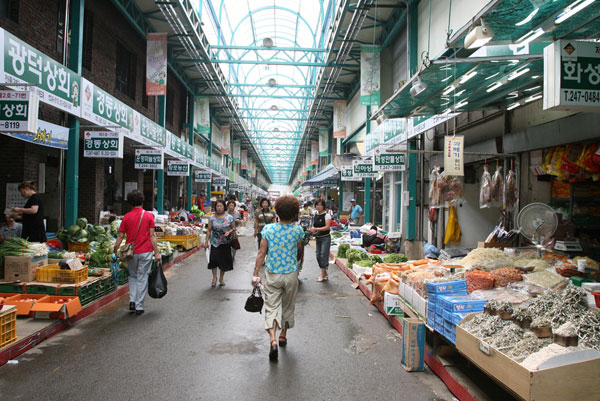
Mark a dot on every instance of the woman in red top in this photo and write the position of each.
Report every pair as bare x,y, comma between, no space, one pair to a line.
144,246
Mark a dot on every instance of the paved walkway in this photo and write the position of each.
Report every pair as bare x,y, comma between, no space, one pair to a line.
198,343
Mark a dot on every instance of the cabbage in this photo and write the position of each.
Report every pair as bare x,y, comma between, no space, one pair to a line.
84,233
81,222
99,230
74,230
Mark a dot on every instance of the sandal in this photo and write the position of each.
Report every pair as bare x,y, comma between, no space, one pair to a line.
222,284
321,279
273,352
282,341
213,284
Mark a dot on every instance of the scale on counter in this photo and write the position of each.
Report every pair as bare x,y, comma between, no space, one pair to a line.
572,245
451,253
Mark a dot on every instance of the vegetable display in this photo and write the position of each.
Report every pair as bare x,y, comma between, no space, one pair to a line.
395,258
355,255
342,250
81,231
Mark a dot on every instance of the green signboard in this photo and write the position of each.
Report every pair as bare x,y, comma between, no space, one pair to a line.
363,168
56,85
202,176
181,147
177,168
389,161
152,131
151,159
18,111
107,144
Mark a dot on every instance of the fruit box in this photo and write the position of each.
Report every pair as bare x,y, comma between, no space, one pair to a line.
53,308
24,302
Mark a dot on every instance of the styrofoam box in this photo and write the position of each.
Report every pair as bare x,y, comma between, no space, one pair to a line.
402,289
444,287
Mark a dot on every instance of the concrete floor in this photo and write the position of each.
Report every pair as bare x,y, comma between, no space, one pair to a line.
198,343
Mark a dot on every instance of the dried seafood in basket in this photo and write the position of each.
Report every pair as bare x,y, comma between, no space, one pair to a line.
485,190
479,280
506,275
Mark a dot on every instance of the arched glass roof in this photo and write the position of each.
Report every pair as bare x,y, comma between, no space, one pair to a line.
270,52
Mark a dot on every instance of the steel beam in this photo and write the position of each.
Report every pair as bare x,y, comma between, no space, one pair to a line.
295,49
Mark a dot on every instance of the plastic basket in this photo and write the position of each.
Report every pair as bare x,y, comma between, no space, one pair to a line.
54,274
8,325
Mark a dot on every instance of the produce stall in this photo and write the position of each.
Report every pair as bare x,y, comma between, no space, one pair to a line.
521,316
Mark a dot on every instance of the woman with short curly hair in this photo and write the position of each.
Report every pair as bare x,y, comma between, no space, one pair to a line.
282,246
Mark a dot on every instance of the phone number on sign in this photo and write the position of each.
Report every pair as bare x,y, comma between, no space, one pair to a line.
571,95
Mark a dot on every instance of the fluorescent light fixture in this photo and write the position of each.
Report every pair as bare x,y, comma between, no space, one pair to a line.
513,106
492,76
460,93
461,104
447,78
495,86
513,95
535,77
530,36
529,17
467,76
532,88
447,111
478,36
534,97
418,86
517,74
572,10
448,90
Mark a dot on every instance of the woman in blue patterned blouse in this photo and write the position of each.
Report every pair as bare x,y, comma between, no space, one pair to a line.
220,227
282,246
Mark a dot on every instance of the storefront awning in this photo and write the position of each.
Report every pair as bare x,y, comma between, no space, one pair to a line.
328,175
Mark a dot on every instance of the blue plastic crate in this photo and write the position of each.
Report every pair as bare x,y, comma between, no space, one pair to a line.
439,319
463,303
439,327
446,287
439,309
432,298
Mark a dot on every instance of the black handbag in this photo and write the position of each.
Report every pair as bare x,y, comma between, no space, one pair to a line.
255,301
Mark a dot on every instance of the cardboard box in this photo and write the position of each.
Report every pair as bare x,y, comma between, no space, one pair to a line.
391,304
48,309
568,377
413,344
22,268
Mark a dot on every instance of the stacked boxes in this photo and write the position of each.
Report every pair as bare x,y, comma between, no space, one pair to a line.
435,307
454,308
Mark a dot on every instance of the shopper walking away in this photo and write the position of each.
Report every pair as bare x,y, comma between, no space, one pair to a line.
263,216
138,225
355,211
320,230
237,220
281,244
220,228
11,228
33,213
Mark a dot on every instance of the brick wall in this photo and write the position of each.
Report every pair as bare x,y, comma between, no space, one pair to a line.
91,188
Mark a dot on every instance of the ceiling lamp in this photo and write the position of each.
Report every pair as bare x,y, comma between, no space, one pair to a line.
268,42
272,82
478,36
275,129
274,107
418,86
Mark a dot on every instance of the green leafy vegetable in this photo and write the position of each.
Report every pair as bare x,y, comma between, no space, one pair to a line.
342,249
395,258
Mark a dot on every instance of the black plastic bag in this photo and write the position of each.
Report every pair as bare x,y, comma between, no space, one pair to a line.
255,301
157,283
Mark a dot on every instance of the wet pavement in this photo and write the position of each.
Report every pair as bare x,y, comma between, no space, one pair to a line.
198,343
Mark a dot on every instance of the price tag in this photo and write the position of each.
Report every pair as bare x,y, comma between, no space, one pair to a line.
485,348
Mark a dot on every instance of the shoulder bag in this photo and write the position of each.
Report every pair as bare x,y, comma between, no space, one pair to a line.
126,252
255,301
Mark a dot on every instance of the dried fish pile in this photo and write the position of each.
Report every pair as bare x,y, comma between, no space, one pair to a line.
508,337
588,329
484,325
571,306
528,345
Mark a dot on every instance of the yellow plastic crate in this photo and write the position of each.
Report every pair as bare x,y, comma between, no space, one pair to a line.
54,274
8,325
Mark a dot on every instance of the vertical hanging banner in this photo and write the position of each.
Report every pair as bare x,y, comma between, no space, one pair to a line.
339,118
202,115
314,153
323,142
454,163
244,159
309,166
236,151
156,64
226,133
370,68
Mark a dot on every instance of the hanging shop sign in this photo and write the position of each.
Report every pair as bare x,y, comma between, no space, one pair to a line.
55,84
314,153
347,174
418,125
363,167
370,68
454,162
339,118
180,147
389,161
236,151
178,168
18,111
202,115
323,142
330,183
202,176
220,182
104,109
244,159
373,140
103,144
308,160
51,135
156,64
150,159
152,131
233,186
226,134
572,76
